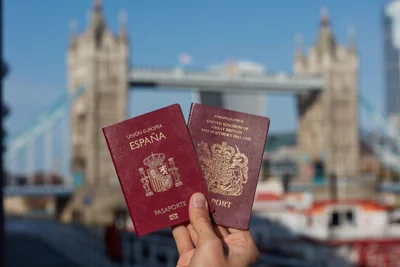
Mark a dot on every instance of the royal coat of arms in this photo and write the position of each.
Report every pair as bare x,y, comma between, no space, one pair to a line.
159,176
224,168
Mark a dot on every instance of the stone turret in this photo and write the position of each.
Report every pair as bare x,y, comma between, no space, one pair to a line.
328,120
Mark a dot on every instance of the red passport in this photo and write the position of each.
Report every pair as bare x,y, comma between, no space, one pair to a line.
230,147
157,167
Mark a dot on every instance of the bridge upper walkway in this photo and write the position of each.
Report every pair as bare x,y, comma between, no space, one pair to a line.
225,81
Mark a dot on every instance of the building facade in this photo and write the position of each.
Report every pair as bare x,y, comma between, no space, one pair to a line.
391,45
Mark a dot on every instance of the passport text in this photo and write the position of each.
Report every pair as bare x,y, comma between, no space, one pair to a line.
170,208
222,203
144,141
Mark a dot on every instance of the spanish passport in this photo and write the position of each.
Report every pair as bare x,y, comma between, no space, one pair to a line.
230,147
157,167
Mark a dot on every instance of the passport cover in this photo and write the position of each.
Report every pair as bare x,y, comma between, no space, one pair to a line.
157,168
230,147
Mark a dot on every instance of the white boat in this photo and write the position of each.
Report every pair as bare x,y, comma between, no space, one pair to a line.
361,231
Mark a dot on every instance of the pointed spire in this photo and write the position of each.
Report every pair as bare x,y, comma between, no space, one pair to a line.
97,24
326,44
73,27
299,46
89,15
73,32
300,59
324,17
122,18
95,15
97,6
352,42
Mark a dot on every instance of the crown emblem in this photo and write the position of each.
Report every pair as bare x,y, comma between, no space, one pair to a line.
159,176
154,160
224,168
222,151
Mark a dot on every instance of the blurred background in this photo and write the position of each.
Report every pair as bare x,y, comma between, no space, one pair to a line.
327,74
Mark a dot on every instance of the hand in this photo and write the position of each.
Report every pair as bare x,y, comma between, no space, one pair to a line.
202,244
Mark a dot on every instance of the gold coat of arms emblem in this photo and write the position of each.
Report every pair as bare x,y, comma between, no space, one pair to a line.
224,168
159,176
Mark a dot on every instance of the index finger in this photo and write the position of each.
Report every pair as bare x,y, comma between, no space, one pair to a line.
182,238
233,230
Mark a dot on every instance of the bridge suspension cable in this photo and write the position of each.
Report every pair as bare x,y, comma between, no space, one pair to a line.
380,135
36,146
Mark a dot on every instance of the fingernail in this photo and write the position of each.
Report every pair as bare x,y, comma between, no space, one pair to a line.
199,200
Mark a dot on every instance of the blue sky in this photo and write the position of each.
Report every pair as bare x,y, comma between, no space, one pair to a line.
36,38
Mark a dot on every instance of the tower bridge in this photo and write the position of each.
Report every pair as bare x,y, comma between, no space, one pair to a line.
324,82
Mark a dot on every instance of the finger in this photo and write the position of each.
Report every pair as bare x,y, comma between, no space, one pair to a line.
245,233
182,238
184,260
221,231
200,218
240,237
193,234
233,230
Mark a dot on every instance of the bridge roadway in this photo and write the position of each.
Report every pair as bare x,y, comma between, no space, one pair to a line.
23,249
209,80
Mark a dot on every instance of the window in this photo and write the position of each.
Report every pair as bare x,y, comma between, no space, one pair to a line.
335,219
77,217
120,217
394,218
350,217
342,217
319,172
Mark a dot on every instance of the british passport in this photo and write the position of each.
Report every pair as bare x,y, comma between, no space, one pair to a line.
157,168
230,147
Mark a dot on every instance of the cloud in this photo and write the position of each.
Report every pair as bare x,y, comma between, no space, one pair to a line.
251,67
243,66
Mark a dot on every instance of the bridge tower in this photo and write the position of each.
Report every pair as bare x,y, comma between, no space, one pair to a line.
99,60
328,120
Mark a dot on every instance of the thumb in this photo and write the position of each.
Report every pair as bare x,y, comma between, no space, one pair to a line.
200,218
